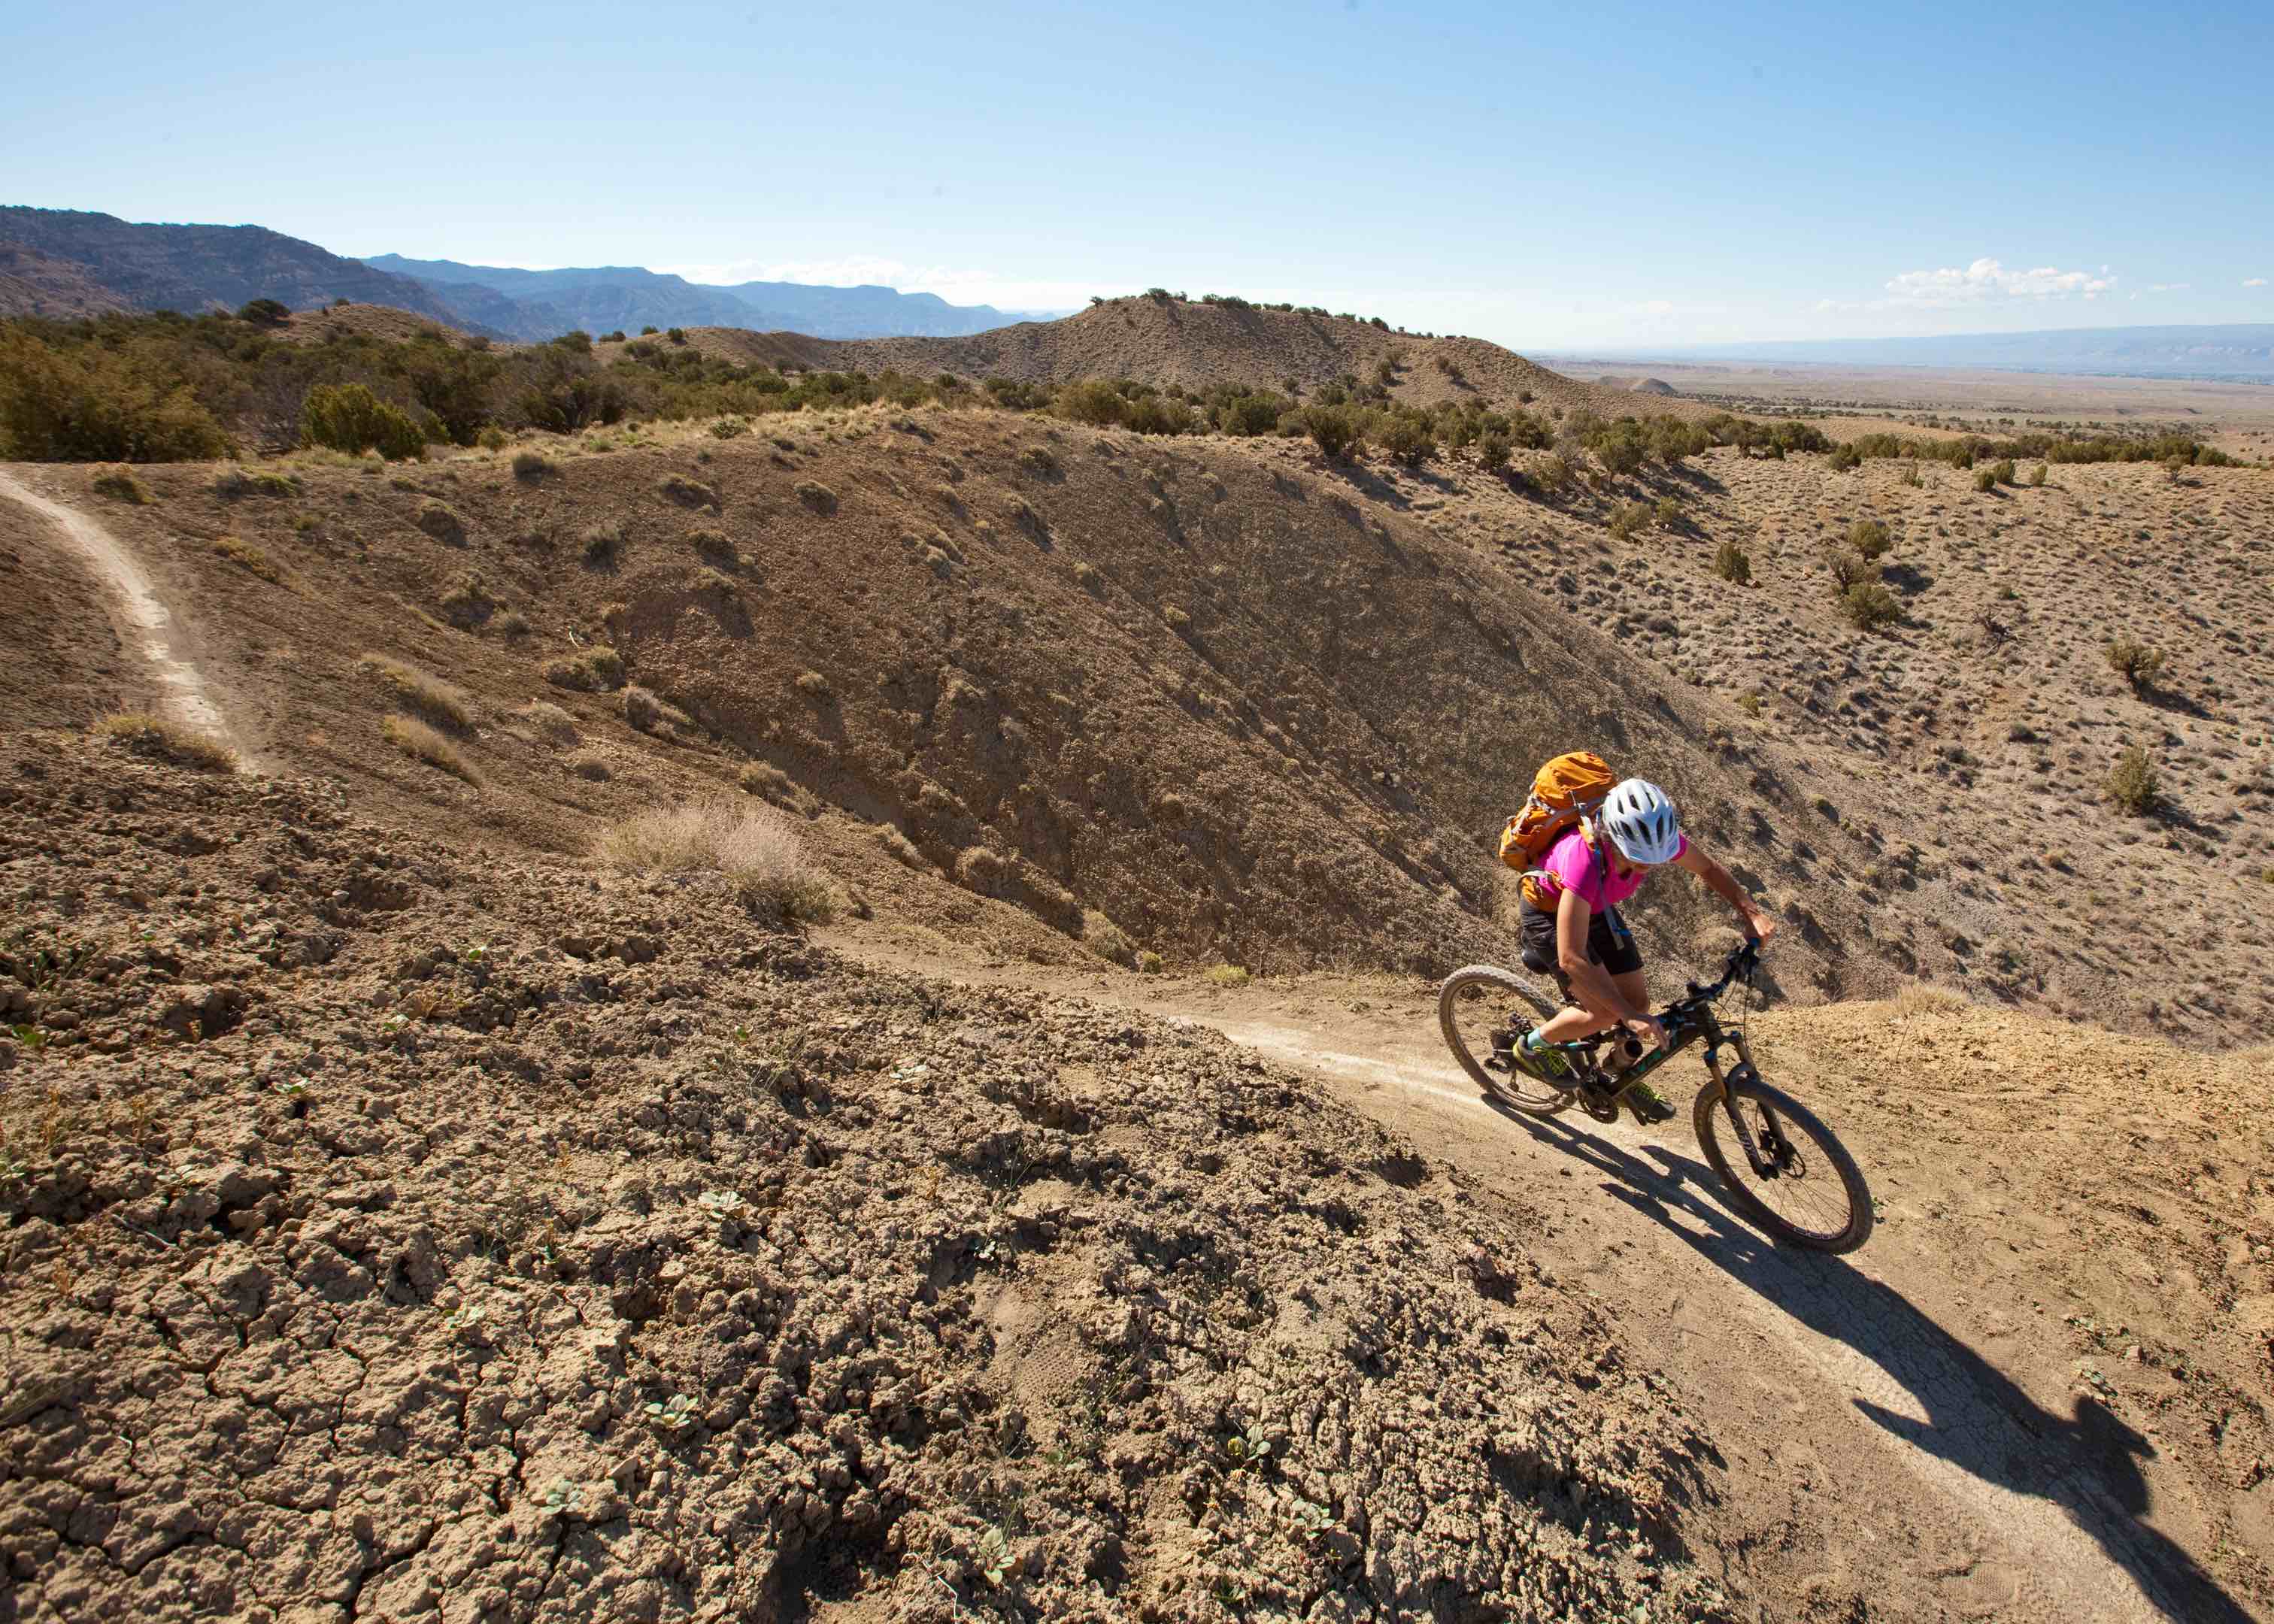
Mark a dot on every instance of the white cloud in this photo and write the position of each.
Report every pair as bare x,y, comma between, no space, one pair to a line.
2254,281
957,286
2167,287
1986,280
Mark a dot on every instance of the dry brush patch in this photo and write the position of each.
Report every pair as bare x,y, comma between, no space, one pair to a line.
438,702
163,739
415,739
756,849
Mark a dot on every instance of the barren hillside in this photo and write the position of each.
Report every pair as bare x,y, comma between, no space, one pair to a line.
1237,710
1165,341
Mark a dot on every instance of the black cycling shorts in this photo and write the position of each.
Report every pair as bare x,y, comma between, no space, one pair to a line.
1609,943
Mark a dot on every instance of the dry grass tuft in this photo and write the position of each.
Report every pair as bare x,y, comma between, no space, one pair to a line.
598,670
900,848
551,723
120,484
155,736
756,848
1101,936
1226,974
247,557
645,712
430,696
414,738
1918,999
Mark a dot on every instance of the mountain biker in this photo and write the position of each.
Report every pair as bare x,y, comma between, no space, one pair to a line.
1586,944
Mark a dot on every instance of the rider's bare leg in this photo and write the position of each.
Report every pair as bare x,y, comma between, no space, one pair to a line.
1576,1022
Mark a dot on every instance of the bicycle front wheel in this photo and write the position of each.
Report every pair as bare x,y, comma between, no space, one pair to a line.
1472,1004
1809,1191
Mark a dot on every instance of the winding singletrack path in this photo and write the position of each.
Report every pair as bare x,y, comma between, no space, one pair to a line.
151,628
1879,1462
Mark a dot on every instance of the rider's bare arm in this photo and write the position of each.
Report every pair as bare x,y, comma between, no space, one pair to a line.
1718,880
1590,983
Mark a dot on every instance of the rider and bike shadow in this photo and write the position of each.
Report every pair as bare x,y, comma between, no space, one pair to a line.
2087,1463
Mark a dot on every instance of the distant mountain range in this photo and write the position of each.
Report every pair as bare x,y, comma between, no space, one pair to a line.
66,262
2228,353
545,304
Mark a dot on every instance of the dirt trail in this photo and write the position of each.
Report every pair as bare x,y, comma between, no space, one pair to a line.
1879,1460
148,626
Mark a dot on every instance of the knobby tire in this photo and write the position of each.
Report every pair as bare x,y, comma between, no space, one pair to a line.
1817,1144
1501,990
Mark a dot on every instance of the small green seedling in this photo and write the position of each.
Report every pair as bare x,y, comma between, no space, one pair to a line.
465,1318
674,1414
564,1497
475,952
1252,1450
994,1556
721,1201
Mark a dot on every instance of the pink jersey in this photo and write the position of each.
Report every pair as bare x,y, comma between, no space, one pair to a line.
1571,861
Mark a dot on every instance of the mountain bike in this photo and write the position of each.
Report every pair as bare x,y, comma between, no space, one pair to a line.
1784,1168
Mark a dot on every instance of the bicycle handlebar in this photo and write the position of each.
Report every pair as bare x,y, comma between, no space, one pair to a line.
1740,965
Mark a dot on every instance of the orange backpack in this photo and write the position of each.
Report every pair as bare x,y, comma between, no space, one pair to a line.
1569,787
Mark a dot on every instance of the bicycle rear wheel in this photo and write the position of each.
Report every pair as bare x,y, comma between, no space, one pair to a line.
1473,1004
1813,1194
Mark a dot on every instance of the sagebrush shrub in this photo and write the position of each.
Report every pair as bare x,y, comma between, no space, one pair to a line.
1870,606
2134,784
602,542
90,405
349,418
1849,568
1630,520
1732,564
2139,664
1870,538
1335,430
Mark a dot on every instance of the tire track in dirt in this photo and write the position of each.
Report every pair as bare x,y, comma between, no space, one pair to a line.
1938,1486
150,625
2050,1539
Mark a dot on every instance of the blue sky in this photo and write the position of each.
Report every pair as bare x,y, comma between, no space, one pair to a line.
1551,176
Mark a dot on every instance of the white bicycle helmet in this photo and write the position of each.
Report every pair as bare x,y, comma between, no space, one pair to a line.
1641,822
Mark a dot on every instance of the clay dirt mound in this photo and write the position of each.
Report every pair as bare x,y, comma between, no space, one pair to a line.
383,322
389,1231
1165,341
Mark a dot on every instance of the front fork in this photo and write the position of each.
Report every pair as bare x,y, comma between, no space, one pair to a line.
1766,1163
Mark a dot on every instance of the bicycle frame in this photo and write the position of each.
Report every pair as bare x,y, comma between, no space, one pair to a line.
1688,1020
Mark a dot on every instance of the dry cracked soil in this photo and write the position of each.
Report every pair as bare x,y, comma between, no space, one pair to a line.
410,1216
